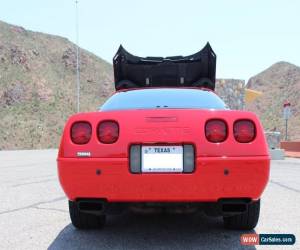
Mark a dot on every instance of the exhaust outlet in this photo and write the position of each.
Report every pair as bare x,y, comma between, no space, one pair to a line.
234,206
91,206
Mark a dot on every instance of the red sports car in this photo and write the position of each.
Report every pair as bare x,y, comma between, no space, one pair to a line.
164,140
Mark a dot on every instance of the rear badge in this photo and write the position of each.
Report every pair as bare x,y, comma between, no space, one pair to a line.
83,154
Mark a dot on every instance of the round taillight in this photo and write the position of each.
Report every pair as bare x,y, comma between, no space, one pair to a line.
108,132
81,132
216,130
244,131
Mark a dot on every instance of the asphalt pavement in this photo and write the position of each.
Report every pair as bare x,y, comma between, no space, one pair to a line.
34,213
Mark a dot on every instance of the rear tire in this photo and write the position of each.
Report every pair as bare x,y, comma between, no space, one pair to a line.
84,220
244,221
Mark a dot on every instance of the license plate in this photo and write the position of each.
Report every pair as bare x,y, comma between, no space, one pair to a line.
162,159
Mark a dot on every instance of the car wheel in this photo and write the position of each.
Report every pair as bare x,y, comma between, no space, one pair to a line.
84,220
244,221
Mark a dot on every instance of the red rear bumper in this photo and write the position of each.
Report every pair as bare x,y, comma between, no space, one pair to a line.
247,178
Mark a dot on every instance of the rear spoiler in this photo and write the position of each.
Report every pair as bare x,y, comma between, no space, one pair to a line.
197,70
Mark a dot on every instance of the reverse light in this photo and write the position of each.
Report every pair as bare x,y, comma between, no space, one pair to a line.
244,131
216,130
81,132
108,132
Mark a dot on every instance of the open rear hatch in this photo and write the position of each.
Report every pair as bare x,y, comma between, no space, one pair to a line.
197,70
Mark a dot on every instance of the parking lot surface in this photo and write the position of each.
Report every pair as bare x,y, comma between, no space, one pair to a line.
34,213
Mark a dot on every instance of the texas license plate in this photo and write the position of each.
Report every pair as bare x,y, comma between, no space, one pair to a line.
162,159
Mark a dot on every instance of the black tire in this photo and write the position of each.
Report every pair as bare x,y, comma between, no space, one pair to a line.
244,221
83,220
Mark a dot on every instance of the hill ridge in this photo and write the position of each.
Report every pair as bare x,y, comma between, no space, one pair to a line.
38,86
279,82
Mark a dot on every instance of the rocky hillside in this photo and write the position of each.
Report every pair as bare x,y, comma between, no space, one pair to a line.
232,91
38,86
278,83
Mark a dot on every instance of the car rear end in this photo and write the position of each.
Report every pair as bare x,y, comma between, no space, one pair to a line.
163,155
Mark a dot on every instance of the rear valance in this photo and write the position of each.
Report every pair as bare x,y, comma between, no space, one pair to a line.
197,70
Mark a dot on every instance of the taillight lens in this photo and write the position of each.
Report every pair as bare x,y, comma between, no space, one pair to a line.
81,132
108,132
244,131
216,130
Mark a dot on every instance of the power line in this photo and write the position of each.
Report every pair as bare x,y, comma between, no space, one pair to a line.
77,58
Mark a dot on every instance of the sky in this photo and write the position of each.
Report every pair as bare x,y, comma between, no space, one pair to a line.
247,36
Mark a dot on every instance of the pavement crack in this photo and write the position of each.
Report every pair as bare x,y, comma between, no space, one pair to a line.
51,209
33,205
34,182
25,165
27,178
284,186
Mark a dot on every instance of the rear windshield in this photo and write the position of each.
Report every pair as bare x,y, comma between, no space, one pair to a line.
163,98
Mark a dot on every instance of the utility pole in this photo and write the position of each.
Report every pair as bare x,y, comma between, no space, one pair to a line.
286,129
286,115
77,59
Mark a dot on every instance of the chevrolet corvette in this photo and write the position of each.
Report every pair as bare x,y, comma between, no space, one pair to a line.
164,140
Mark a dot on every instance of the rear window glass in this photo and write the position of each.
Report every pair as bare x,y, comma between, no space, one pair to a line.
163,98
